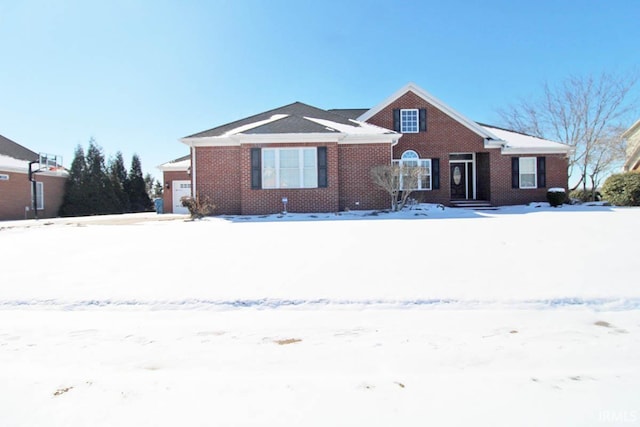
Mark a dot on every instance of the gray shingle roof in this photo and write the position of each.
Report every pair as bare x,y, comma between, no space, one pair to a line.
180,159
349,113
295,122
15,150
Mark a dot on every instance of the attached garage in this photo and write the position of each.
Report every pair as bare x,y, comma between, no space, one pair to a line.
176,176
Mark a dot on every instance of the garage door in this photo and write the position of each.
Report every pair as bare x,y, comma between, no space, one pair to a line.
180,190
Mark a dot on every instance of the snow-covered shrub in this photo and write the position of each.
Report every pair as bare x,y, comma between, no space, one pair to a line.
556,196
198,206
622,189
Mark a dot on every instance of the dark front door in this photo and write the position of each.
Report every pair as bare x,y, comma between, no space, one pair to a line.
458,181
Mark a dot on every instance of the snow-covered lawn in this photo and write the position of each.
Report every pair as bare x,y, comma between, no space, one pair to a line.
519,316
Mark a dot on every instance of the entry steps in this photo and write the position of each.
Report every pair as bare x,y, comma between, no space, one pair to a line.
472,204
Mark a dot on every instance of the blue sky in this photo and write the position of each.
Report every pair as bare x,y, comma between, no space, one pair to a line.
139,75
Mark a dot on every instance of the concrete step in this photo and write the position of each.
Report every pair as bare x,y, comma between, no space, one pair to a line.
472,204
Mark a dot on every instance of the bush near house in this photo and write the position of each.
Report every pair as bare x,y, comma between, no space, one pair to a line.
622,189
198,207
587,195
556,196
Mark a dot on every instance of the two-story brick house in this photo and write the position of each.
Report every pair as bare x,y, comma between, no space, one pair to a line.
320,160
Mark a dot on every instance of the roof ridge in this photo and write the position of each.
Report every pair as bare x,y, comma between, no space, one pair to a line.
297,108
245,118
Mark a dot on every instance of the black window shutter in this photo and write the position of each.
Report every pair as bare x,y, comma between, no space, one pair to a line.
256,168
542,174
423,119
396,120
515,172
322,167
435,174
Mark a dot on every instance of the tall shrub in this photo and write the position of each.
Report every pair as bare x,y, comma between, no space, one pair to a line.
622,189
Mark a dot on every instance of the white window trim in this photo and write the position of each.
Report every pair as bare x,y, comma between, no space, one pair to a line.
426,163
40,195
417,113
535,173
301,168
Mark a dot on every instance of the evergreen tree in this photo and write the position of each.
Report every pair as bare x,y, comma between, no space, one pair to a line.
148,184
93,188
136,188
74,202
157,189
118,177
99,191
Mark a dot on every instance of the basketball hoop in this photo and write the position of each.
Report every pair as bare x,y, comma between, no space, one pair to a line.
50,163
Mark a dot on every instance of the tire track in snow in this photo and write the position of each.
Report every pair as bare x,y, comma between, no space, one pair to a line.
609,304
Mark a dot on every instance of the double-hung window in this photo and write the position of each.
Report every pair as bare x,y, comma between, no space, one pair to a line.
289,168
409,120
528,172
415,173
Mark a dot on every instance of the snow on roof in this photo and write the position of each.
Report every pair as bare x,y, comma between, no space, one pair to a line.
358,128
515,142
176,165
249,126
9,163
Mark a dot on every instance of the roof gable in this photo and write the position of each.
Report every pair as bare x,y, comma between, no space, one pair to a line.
410,87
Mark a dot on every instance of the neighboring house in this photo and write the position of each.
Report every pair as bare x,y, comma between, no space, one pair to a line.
16,200
632,135
320,160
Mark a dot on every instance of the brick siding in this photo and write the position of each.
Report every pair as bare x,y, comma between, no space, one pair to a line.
357,190
444,136
224,175
503,194
15,195
218,174
167,193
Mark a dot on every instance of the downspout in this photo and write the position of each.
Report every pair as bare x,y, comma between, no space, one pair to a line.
34,188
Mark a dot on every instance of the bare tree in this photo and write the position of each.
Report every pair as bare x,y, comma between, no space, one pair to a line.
608,153
587,113
398,180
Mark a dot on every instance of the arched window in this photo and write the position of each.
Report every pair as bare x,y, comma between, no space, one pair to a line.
412,178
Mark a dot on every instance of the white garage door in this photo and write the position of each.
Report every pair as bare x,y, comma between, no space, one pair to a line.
180,190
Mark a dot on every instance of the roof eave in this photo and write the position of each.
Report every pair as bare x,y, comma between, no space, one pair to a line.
290,138
173,168
632,129
534,150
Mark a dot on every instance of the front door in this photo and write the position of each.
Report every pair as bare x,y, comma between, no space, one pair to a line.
458,176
